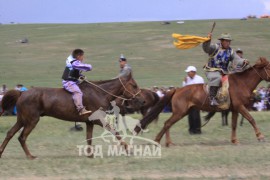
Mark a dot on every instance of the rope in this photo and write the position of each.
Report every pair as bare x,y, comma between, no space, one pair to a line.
264,71
205,123
124,99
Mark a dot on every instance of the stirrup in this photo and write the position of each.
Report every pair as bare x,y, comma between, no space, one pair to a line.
214,102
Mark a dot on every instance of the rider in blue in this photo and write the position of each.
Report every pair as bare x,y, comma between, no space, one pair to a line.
221,58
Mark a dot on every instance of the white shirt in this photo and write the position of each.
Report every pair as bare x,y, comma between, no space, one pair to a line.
159,93
259,105
195,80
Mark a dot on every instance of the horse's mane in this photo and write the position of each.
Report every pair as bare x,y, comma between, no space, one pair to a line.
103,81
261,62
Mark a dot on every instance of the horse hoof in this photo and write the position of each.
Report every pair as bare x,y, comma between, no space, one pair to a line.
261,138
91,156
235,141
134,133
157,141
31,157
168,144
124,144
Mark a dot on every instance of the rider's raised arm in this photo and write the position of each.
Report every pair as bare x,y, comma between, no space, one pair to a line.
208,47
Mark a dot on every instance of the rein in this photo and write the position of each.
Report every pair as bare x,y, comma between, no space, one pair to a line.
264,71
133,95
124,99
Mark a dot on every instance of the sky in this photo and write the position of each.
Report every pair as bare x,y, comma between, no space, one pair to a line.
98,11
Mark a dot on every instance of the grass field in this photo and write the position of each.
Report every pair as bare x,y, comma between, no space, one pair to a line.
206,156
149,50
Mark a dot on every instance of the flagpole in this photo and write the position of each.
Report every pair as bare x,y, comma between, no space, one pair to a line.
213,26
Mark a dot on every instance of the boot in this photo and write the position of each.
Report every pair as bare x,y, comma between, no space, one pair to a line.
84,111
212,94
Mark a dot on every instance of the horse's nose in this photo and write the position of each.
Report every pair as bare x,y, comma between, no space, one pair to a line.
142,102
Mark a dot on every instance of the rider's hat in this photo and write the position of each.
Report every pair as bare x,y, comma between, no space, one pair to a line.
122,58
225,36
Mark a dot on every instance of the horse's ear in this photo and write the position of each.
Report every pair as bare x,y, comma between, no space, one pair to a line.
261,62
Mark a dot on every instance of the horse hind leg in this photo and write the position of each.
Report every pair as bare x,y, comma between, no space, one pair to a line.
24,134
16,127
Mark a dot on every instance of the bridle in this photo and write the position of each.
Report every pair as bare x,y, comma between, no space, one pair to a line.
126,90
120,97
268,76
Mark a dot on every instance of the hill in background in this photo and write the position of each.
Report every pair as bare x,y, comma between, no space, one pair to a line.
148,46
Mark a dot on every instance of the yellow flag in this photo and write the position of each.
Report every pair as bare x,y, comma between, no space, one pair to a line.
188,41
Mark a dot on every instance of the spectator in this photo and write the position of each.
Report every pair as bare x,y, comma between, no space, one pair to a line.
125,69
3,90
240,53
258,105
194,117
21,88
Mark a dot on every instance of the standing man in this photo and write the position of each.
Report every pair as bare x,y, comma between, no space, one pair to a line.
194,118
125,69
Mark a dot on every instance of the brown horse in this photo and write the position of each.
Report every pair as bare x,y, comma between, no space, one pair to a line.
143,105
150,98
182,99
58,103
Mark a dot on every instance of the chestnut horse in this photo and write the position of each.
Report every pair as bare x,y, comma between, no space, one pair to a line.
58,103
182,99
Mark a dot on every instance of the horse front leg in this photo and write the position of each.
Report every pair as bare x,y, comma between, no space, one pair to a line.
251,120
167,125
107,127
234,139
89,135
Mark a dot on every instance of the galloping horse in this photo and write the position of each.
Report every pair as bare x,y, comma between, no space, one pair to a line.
182,99
58,103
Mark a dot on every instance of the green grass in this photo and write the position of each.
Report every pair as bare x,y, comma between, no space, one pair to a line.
147,45
206,156
155,61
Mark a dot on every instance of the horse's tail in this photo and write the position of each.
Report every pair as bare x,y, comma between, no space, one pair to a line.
9,100
209,116
155,111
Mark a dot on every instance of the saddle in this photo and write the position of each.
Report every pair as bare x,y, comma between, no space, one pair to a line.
223,96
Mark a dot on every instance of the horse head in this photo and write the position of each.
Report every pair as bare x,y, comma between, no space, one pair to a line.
262,68
131,89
